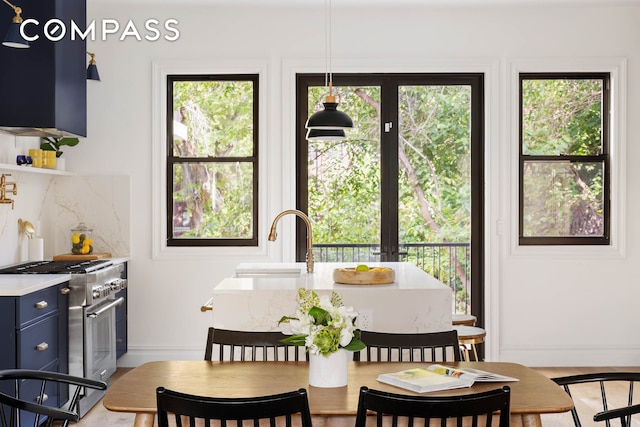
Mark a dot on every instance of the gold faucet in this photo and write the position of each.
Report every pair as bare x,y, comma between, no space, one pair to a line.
4,190
305,218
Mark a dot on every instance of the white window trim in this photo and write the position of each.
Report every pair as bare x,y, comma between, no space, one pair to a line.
617,67
160,71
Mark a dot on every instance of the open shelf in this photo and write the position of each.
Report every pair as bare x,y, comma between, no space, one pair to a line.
30,169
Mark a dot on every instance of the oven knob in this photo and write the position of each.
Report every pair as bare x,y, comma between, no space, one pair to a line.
96,293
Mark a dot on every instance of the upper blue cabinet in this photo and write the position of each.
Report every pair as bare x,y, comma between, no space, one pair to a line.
44,87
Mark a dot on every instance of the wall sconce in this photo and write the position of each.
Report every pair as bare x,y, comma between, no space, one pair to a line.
14,38
92,69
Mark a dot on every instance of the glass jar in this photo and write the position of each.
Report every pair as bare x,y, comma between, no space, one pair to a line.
81,240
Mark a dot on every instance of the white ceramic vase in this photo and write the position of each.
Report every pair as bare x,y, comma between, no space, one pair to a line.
60,164
329,371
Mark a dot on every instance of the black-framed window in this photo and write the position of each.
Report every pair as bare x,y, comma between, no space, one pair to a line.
212,160
564,196
384,108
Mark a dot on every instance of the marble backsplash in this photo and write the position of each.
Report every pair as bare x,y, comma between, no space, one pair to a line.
56,204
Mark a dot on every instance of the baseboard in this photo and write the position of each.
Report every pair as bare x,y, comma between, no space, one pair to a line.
572,357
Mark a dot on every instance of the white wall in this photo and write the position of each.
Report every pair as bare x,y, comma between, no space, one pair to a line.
547,307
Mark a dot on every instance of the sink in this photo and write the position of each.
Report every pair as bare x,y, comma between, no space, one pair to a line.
268,270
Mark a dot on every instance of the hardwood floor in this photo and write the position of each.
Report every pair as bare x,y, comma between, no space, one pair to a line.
99,416
587,401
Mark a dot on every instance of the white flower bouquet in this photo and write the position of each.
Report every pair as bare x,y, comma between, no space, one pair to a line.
322,324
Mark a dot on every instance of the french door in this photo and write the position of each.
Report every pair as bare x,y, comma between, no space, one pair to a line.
406,183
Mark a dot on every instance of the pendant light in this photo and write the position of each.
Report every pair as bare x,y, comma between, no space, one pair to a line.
13,37
326,135
330,117
92,69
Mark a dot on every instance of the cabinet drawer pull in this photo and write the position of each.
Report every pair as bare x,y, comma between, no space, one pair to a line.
44,398
42,304
65,291
42,346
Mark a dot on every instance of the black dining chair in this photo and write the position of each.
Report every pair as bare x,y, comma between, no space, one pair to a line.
283,409
251,345
401,347
377,407
27,395
613,391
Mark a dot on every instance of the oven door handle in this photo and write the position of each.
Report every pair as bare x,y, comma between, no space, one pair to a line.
106,308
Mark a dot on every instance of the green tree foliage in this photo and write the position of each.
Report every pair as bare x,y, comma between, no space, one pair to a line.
562,117
214,199
434,179
344,176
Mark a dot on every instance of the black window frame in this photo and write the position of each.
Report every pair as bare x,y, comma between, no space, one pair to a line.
603,157
389,83
172,160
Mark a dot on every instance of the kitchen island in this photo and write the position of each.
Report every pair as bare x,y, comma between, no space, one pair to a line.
260,294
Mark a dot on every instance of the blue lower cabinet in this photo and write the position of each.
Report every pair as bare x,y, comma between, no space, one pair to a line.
30,389
38,344
33,335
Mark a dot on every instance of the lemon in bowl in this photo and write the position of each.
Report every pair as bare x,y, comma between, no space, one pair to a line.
362,274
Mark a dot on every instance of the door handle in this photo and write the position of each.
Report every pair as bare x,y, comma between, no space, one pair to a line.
106,308
207,306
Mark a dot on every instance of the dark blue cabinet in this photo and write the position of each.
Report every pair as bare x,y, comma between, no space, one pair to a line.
33,335
45,85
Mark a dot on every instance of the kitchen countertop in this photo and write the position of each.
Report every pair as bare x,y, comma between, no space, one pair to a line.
16,285
280,276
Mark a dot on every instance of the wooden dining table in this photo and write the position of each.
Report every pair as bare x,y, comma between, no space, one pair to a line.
533,395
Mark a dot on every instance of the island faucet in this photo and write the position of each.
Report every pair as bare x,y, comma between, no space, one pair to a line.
4,190
305,218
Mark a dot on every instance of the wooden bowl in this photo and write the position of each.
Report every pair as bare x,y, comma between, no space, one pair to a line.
349,276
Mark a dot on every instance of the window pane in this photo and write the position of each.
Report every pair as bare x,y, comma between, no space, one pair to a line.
213,200
563,199
562,116
213,118
344,176
434,163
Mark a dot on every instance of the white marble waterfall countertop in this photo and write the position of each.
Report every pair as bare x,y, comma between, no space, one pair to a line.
16,285
283,276
260,294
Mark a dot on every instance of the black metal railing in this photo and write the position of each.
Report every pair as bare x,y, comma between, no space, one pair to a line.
448,262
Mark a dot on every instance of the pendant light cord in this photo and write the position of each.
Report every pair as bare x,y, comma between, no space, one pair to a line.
328,73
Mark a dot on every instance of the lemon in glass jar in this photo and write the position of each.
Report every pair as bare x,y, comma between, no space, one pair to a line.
81,241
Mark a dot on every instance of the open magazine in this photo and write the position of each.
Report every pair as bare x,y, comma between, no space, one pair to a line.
439,377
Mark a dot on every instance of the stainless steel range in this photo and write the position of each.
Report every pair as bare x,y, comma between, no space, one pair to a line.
92,319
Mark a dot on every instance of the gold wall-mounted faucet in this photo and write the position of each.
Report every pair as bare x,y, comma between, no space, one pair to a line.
4,190
305,218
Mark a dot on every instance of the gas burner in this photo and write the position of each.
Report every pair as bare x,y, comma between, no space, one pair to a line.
56,267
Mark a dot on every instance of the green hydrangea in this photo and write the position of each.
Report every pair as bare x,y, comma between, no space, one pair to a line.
327,340
322,324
